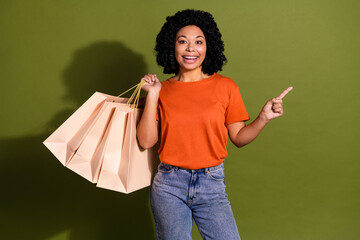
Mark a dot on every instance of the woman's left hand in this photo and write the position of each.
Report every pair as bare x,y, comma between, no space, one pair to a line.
274,108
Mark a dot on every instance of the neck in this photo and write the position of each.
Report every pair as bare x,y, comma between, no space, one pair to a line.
190,76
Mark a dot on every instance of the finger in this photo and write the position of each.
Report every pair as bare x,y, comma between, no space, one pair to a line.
277,106
274,106
146,79
276,103
276,100
279,111
283,94
153,77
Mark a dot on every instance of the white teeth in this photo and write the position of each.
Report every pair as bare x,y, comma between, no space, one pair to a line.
190,57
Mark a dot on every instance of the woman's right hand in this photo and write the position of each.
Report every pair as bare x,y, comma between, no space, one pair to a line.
152,83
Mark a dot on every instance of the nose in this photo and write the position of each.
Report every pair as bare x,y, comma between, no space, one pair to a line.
190,47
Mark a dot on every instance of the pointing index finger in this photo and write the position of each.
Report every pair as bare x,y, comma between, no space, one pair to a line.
283,94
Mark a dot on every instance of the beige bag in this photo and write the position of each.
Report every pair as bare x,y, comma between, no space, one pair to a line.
124,168
99,143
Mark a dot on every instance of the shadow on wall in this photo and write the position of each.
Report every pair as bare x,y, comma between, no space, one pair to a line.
40,199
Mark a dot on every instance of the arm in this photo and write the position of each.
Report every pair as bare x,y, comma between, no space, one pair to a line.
241,135
147,130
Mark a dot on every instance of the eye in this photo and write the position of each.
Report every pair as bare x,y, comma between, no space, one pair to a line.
198,42
182,41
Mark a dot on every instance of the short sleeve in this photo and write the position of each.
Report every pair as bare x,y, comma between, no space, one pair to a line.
236,111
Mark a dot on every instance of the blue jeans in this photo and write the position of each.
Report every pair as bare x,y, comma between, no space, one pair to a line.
178,195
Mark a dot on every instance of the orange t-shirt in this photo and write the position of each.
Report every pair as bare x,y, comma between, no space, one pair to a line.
193,118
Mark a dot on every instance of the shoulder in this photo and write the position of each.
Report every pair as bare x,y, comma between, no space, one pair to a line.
226,81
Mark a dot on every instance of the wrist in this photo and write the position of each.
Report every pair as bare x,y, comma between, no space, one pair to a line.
153,94
262,118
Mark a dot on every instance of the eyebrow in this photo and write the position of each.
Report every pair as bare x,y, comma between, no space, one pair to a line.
186,37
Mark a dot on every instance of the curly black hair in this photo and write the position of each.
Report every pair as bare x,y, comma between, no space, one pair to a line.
165,41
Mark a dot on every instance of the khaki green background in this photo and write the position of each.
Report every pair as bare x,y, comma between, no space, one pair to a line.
298,180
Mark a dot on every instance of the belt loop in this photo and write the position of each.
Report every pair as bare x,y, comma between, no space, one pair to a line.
206,170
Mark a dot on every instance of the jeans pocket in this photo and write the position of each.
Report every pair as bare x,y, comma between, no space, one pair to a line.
216,174
165,168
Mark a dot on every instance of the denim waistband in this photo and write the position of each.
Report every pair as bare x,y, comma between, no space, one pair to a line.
168,166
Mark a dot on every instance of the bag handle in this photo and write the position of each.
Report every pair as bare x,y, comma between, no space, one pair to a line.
135,96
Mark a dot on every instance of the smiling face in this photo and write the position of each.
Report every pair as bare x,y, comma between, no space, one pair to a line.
190,48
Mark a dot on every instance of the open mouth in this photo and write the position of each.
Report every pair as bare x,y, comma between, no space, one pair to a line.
190,57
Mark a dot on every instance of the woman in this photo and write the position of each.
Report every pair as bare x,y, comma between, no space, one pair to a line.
195,111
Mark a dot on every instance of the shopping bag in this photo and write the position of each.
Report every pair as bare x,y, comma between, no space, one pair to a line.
80,143
126,166
65,140
86,161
